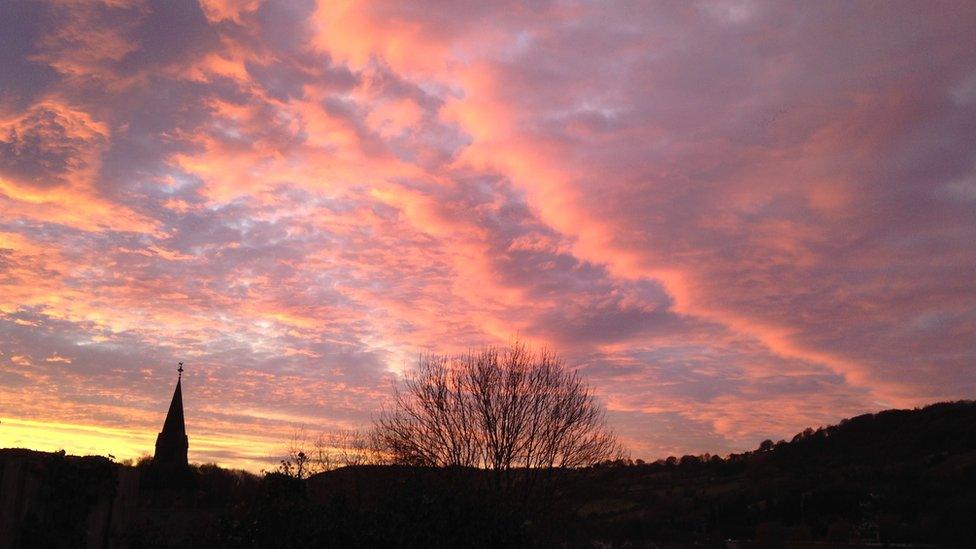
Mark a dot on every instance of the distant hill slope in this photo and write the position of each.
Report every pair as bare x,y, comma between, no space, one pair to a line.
948,427
897,475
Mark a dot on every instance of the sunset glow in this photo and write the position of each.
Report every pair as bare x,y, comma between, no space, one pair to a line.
737,219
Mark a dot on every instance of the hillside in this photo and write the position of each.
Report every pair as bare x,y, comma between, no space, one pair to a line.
906,476
899,475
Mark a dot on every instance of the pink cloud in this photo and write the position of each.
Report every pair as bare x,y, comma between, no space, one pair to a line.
736,220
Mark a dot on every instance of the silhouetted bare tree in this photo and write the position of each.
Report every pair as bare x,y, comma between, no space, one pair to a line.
496,409
342,448
306,455
298,462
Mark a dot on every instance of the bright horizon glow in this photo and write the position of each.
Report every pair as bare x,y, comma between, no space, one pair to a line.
738,219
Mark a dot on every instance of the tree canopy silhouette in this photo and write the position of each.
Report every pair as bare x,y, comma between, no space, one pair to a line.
498,409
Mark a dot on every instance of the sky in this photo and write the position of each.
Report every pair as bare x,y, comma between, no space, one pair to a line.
736,219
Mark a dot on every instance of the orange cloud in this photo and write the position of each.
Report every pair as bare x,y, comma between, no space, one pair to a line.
297,200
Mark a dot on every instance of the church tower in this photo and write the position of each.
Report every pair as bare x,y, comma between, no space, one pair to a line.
172,443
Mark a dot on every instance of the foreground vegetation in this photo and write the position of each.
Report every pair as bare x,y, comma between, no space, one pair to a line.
900,476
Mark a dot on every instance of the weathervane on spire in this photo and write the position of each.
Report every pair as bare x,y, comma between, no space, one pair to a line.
171,444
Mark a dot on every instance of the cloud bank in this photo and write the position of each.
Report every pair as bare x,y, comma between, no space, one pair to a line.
737,219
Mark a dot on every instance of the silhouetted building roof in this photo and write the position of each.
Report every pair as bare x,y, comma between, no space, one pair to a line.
172,443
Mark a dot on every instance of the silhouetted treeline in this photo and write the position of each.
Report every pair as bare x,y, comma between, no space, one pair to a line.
896,476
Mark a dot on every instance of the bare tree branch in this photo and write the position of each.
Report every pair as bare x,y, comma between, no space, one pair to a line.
495,409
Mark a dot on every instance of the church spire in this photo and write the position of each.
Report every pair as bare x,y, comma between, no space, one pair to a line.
172,442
